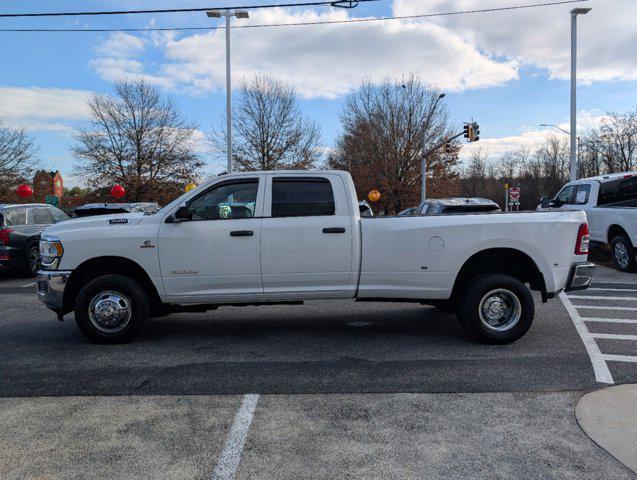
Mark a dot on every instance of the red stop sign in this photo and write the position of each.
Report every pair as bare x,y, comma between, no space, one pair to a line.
514,193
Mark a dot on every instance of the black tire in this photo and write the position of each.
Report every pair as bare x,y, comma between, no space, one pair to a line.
111,293
623,253
507,292
33,261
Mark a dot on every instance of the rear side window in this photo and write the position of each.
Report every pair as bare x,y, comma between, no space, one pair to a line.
41,216
302,197
16,216
627,190
607,192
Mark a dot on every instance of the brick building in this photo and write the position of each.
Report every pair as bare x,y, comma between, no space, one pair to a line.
47,183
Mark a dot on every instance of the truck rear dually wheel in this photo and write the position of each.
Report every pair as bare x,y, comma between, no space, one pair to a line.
623,253
111,309
496,308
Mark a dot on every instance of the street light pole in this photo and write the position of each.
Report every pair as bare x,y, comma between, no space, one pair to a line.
228,95
228,14
573,163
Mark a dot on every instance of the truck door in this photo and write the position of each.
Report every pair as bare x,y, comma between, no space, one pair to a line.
306,234
217,252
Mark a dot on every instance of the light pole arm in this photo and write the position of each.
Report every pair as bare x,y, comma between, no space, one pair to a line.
443,143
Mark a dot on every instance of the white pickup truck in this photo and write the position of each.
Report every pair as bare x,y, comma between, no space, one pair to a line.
284,237
609,202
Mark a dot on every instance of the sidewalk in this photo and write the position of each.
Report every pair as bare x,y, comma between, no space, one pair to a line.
609,418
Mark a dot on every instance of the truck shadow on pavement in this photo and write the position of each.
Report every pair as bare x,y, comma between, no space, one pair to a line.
321,347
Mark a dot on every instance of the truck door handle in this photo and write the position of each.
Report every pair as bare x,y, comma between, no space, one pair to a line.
334,230
241,233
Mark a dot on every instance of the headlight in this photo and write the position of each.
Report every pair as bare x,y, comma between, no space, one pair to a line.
51,251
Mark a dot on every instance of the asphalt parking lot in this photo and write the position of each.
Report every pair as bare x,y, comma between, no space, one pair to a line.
324,390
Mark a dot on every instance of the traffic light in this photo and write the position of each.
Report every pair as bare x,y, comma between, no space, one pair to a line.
472,131
448,148
476,132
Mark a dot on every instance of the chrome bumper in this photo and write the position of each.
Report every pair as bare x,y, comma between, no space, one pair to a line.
581,277
51,286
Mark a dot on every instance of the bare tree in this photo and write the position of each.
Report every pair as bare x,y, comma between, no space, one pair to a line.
617,141
385,127
269,130
137,139
17,153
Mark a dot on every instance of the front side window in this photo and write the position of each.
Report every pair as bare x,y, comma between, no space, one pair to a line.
302,197
16,216
582,195
58,215
228,201
566,195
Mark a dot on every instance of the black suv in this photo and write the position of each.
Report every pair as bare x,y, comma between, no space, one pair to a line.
95,209
20,229
456,206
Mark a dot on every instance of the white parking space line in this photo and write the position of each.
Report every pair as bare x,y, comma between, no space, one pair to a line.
620,358
614,336
28,285
612,289
594,297
597,307
608,320
604,282
602,373
230,458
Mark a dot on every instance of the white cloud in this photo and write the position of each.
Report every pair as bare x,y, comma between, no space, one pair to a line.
38,108
530,137
541,36
121,45
322,61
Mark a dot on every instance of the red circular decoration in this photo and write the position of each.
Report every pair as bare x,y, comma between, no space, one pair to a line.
118,191
24,191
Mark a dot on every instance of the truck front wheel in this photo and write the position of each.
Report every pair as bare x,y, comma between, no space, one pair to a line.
111,309
496,308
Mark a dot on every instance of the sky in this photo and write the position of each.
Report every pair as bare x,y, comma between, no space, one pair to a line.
509,71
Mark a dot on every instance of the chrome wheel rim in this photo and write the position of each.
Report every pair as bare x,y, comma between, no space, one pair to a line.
110,312
621,254
34,260
500,310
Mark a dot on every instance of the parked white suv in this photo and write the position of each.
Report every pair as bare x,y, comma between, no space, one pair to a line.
609,202
284,237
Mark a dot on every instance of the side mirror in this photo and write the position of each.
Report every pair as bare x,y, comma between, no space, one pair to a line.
181,214
545,202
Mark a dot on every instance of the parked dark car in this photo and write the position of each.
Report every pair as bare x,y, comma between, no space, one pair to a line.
20,230
455,206
408,212
93,209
